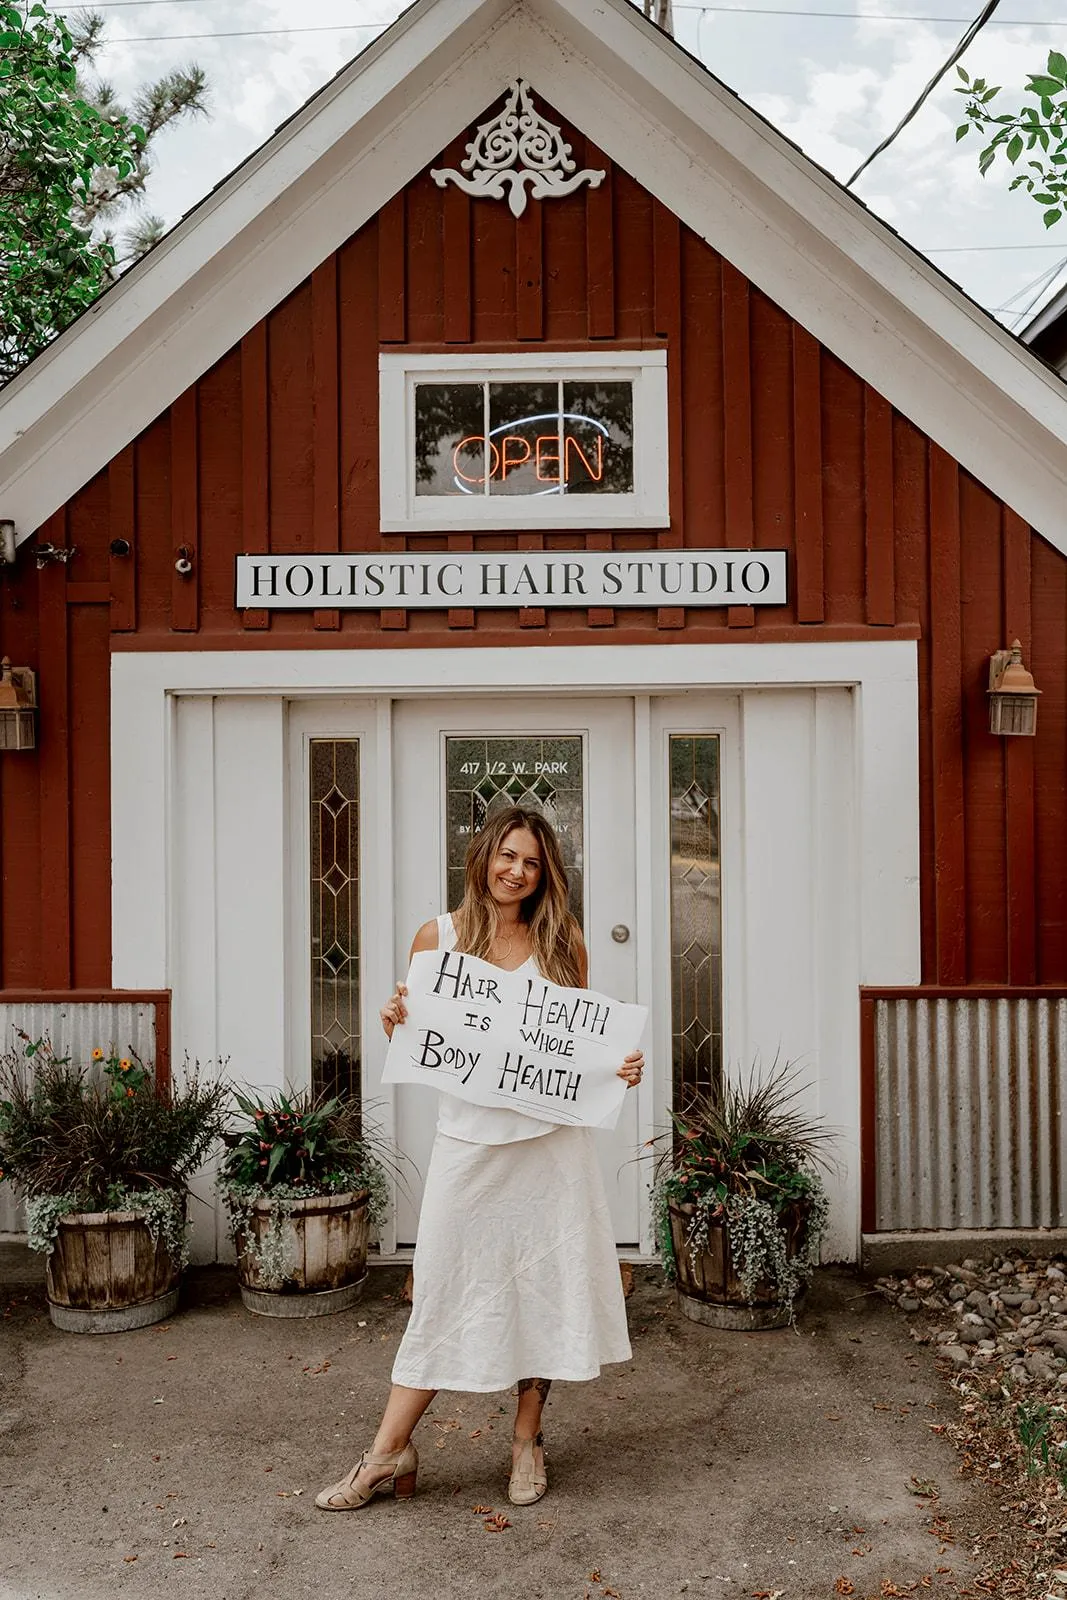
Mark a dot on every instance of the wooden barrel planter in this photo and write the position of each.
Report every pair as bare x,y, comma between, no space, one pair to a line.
325,1251
709,1289
107,1273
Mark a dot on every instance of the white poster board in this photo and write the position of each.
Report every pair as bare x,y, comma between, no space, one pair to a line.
511,1039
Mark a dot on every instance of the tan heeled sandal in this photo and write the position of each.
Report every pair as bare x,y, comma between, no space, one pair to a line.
528,1481
348,1496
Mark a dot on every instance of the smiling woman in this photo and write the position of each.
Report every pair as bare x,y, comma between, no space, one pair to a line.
515,1274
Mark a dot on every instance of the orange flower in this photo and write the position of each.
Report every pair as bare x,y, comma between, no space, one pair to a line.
124,1066
98,1054
129,1094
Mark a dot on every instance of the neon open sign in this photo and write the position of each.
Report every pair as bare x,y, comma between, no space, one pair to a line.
543,438
558,459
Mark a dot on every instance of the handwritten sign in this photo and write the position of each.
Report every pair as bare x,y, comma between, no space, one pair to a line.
510,1039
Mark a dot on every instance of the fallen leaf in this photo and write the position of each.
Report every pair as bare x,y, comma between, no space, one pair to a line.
481,1511
594,1576
546,1524
476,1434
844,1586
180,1555
878,1406
496,1524
179,1522
612,1592
833,1416
171,1358
924,1488
282,1494
129,1558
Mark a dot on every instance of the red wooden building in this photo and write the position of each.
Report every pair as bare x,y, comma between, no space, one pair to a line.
529,418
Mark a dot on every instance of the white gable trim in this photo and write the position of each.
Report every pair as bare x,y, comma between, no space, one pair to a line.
797,235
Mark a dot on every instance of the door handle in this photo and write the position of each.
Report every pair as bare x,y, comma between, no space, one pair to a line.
620,933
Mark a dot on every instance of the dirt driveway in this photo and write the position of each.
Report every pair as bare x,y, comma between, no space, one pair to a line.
184,1460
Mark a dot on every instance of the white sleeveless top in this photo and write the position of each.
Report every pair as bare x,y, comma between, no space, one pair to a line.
482,1124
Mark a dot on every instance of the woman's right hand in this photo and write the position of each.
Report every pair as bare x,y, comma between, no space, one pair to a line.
394,1010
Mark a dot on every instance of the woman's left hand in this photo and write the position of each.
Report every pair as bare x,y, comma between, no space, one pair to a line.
632,1068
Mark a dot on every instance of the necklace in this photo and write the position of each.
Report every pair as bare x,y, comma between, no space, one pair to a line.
505,953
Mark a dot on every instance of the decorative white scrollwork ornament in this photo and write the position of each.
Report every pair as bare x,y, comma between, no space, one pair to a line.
519,147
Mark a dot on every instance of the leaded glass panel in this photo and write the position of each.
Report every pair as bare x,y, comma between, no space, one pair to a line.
696,915
539,771
335,955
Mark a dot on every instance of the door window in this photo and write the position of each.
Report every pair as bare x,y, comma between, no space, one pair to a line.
696,915
484,775
335,953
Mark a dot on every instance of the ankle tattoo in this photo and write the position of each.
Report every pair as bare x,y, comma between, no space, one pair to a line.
541,1385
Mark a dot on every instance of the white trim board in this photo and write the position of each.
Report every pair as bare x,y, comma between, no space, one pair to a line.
657,113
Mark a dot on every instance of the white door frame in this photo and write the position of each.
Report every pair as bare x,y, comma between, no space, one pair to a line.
144,814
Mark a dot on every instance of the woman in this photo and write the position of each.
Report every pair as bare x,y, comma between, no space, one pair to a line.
515,1271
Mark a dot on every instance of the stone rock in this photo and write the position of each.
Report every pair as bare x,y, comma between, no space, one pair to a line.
1029,1307
980,1302
989,1346
969,1264
969,1334
1040,1369
958,1291
1011,1298
908,1303
1054,1272
958,1356
945,1336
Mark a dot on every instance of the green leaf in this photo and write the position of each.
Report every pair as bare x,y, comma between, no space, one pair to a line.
1057,65
1014,150
962,131
1052,217
1043,86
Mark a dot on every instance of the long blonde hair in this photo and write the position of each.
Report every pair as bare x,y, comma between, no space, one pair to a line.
555,937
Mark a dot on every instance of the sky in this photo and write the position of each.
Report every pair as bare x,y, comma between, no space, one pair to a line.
836,85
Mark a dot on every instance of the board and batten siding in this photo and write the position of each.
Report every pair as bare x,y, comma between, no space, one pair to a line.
773,443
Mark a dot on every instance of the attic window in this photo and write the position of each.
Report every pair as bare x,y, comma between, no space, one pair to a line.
524,443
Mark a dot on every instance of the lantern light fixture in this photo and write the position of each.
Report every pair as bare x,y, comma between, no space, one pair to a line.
8,548
1012,693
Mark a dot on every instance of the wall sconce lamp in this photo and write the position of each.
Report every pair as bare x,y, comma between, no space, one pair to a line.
1012,693
7,542
18,702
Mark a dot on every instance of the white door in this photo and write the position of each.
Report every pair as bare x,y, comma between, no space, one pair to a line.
454,761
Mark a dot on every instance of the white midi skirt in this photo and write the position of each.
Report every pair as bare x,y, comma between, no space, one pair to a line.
515,1271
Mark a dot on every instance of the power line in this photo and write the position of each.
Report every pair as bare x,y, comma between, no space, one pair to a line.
797,11
737,11
969,36
241,33
970,249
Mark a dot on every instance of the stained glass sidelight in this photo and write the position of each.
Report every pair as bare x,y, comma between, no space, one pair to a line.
335,1036
696,915
542,772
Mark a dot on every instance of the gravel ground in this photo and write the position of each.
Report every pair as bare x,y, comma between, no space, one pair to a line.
999,1332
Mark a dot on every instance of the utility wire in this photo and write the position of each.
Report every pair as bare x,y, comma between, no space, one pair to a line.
972,33
737,11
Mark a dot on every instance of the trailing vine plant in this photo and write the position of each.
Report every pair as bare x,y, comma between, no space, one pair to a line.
292,1148
745,1160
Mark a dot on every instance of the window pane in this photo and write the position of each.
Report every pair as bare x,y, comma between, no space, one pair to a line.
543,773
599,437
524,438
696,916
449,442
335,1039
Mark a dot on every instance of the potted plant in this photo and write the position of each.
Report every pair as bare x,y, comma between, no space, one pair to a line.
738,1203
302,1186
103,1156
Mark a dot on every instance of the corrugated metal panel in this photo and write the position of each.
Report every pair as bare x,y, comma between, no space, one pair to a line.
969,1122
74,1029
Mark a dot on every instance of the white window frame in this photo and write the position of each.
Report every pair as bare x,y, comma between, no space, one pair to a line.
403,511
